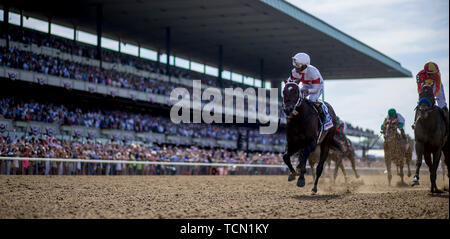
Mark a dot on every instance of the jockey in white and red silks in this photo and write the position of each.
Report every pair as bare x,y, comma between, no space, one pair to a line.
311,85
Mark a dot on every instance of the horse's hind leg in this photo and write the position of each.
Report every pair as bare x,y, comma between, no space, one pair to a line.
341,165
388,168
323,157
336,169
401,172
433,171
408,162
313,170
306,152
419,152
352,161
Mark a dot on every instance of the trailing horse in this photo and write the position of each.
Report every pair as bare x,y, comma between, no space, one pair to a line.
337,157
430,136
395,150
303,133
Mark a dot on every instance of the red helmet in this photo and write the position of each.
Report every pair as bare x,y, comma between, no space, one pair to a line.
431,67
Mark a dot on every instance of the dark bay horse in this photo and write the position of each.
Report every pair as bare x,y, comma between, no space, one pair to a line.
430,136
302,133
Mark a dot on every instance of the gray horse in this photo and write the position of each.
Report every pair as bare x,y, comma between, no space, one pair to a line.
337,157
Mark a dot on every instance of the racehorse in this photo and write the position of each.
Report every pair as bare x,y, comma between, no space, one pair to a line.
337,157
395,150
302,133
430,136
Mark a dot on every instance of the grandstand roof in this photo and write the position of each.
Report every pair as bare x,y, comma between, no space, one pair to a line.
249,30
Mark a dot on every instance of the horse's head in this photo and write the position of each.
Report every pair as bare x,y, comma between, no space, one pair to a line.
392,126
426,101
292,98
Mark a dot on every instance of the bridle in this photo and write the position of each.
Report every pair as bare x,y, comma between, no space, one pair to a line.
299,97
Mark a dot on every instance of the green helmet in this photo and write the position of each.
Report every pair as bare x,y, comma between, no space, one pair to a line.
392,112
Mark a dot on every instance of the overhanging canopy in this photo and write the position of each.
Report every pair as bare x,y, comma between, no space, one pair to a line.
248,30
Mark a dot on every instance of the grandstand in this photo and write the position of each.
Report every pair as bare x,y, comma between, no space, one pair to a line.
85,77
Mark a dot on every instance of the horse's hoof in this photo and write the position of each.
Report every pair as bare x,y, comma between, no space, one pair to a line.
438,191
314,191
291,177
414,183
301,182
357,176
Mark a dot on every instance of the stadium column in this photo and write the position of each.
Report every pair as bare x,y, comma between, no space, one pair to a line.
139,50
6,23
261,71
74,33
49,27
220,66
168,51
99,33
21,22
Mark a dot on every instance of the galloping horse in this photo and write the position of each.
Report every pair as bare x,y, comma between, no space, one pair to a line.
394,150
302,133
430,136
336,156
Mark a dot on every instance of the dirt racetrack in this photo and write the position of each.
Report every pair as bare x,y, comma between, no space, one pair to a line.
216,197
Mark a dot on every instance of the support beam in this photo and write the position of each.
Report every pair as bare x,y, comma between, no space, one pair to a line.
74,34
219,77
49,27
21,20
6,23
168,50
139,50
261,71
99,33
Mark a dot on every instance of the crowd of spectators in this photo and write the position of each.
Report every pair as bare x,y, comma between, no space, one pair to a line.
20,110
28,36
25,60
51,147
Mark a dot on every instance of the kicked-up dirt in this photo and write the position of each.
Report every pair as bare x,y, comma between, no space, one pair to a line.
217,197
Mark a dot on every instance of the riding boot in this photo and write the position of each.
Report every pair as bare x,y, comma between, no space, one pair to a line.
403,134
319,108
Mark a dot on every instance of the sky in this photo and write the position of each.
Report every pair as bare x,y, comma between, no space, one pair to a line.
411,32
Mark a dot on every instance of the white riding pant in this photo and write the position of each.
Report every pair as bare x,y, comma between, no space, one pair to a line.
440,98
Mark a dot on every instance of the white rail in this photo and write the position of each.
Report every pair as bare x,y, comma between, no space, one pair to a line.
167,163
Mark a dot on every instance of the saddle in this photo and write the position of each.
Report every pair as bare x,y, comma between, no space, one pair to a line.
324,126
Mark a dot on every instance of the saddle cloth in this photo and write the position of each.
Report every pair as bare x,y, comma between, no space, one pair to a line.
325,126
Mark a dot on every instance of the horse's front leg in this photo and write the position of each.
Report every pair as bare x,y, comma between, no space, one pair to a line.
419,152
287,161
302,163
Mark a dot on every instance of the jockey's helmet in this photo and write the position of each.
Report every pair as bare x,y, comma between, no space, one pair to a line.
431,67
392,112
300,59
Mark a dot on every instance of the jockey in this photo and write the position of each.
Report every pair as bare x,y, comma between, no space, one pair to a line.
394,116
312,85
430,75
